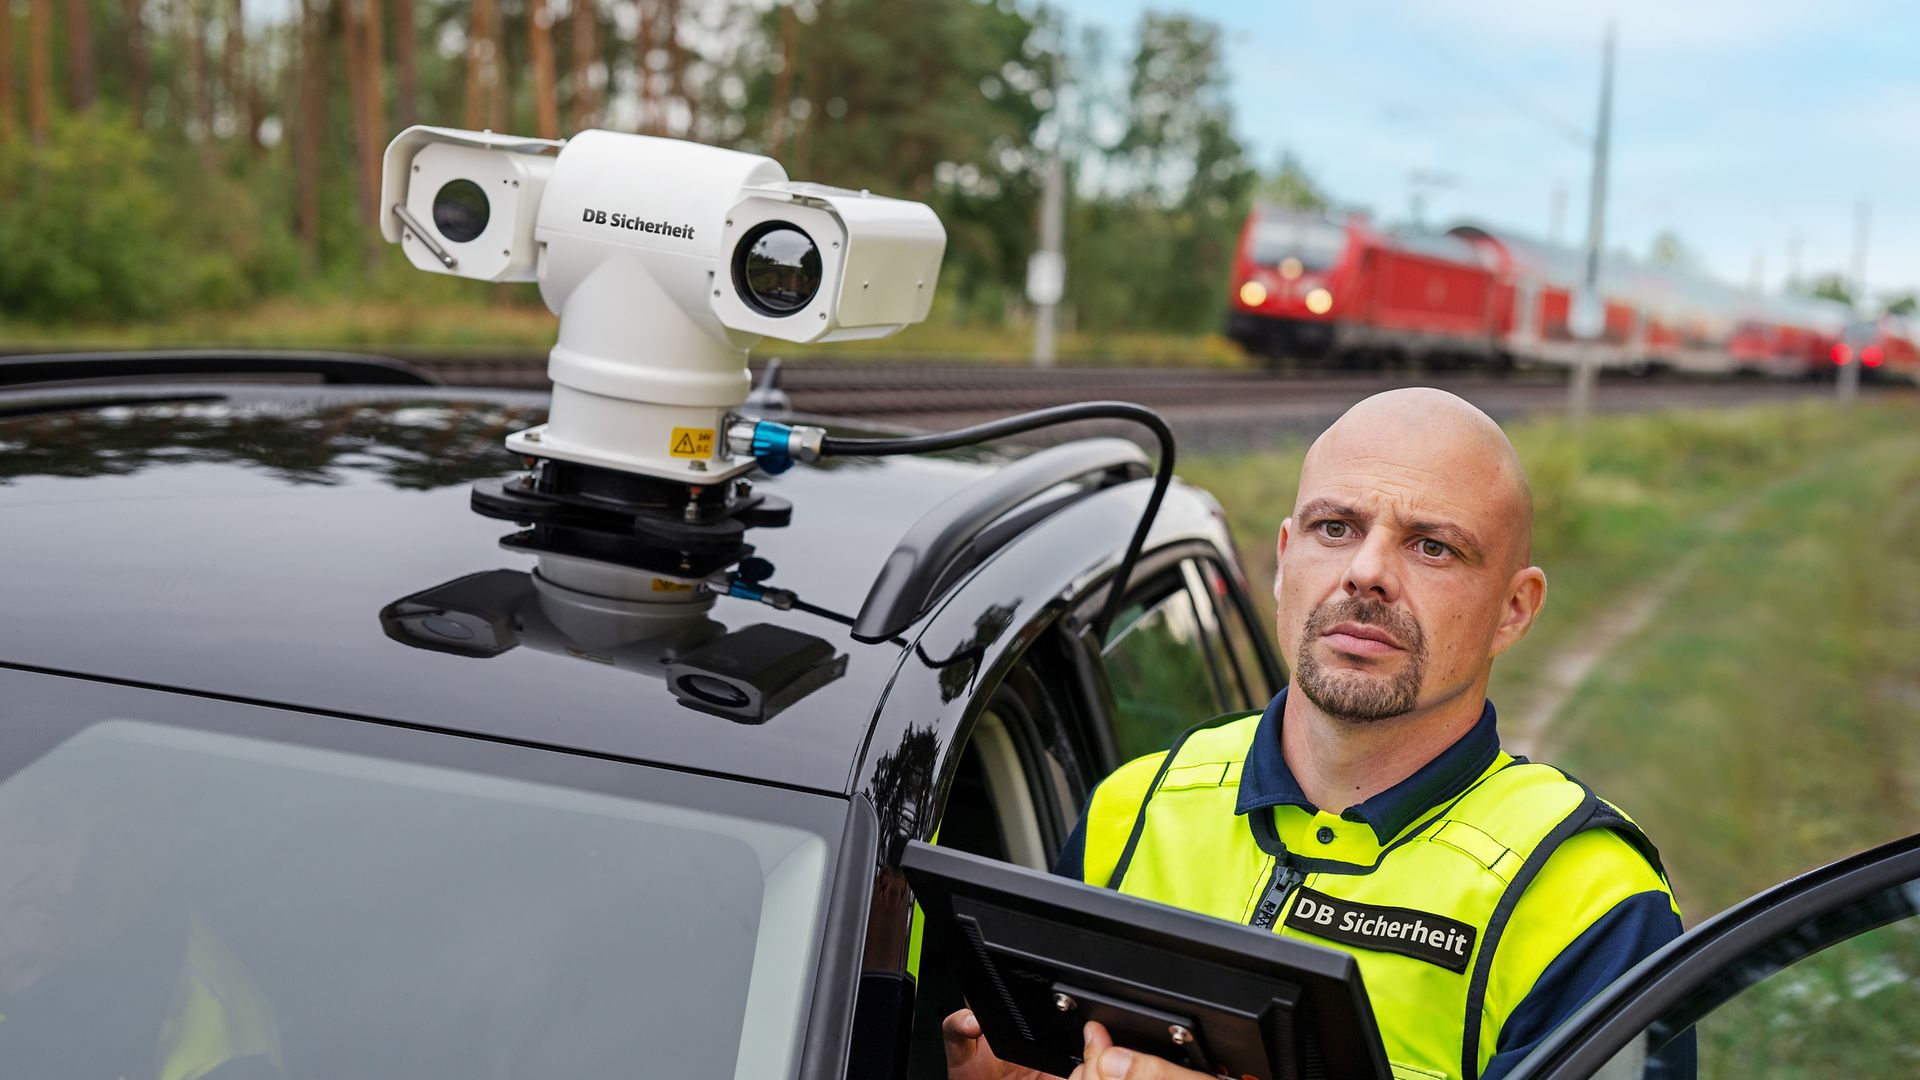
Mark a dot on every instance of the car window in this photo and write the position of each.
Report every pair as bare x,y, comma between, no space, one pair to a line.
1244,642
1227,687
1158,668
1835,995
357,913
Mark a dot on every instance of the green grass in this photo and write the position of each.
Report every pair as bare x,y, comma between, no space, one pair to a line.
428,315
1768,718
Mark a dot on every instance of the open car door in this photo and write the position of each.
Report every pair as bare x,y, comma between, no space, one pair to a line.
1817,976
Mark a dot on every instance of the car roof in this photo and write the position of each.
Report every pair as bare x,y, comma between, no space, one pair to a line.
244,542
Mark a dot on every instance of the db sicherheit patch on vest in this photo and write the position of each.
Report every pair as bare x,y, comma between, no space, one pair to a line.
1422,935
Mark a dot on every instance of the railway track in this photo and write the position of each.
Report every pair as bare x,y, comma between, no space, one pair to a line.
1210,409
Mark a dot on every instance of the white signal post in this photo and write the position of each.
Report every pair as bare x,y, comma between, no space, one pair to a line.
1047,268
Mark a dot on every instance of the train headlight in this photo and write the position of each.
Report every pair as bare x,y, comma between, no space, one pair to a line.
1253,294
1291,268
1319,301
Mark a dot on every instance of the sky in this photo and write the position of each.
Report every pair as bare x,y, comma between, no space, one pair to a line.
1745,128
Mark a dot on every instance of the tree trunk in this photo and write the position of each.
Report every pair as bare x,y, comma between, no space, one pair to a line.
134,12
546,107
585,19
308,129
405,38
80,55
242,102
643,68
361,39
373,119
7,106
677,67
196,34
815,80
40,68
483,66
775,135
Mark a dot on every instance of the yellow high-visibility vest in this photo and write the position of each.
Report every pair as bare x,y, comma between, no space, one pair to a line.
1452,920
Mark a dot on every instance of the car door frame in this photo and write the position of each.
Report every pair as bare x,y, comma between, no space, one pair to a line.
1605,1026
1154,569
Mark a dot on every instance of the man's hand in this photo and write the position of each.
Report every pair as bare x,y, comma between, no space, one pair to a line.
970,1058
1103,1061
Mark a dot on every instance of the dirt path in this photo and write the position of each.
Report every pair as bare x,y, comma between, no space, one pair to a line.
1532,732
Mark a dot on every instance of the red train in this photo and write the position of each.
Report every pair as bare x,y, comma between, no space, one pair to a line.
1308,287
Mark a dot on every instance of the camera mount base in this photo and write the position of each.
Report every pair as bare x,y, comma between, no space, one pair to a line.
666,527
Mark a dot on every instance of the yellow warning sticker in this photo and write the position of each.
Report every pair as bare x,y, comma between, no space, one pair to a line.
666,585
691,442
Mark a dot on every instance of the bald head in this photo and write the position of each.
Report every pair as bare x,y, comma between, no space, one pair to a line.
1419,438
1404,569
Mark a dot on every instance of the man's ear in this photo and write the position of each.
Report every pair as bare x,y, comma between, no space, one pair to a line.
1280,555
1526,595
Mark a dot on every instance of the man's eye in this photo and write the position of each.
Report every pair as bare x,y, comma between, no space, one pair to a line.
1334,530
1433,549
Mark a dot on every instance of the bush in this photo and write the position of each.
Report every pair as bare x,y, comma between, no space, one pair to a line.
100,223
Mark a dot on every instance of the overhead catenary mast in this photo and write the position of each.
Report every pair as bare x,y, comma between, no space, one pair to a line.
1847,382
1580,387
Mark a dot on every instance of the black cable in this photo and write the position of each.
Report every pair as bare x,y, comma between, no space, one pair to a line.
1029,421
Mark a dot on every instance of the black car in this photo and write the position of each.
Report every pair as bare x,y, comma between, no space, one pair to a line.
455,805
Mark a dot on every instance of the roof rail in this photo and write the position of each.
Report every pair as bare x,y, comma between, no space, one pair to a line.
333,367
954,536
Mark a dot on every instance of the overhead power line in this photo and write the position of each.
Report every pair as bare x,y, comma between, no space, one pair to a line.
1510,95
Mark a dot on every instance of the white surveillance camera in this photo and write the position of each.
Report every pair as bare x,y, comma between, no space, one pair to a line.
665,260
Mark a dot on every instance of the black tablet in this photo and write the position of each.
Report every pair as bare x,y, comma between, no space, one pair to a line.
1040,955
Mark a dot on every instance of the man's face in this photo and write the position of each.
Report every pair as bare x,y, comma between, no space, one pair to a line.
1398,571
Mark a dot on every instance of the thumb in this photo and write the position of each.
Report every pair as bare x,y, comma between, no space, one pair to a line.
1119,1063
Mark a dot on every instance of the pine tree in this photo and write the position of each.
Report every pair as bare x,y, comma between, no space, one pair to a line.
585,18
7,120
40,68
79,55
546,109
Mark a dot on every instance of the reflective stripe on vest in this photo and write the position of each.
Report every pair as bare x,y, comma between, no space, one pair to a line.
1164,828
217,1014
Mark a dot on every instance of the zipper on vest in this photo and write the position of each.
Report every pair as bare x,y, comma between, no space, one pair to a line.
1286,878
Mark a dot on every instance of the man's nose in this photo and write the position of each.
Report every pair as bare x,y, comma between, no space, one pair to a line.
1370,571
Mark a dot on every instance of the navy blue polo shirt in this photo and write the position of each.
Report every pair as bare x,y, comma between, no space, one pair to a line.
1634,929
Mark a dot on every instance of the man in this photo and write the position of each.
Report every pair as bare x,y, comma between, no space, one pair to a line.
1370,807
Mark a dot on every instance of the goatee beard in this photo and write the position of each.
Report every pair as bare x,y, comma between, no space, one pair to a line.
1357,696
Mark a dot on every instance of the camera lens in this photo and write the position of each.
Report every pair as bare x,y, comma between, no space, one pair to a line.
448,628
776,268
460,211
713,691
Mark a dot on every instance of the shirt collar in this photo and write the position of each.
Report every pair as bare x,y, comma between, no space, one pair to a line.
1267,782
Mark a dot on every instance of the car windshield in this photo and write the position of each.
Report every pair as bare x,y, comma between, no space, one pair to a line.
1317,244
173,899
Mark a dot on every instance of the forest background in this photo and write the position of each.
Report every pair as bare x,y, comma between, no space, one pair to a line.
180,163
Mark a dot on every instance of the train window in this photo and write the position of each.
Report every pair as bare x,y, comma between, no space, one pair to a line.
1317,244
